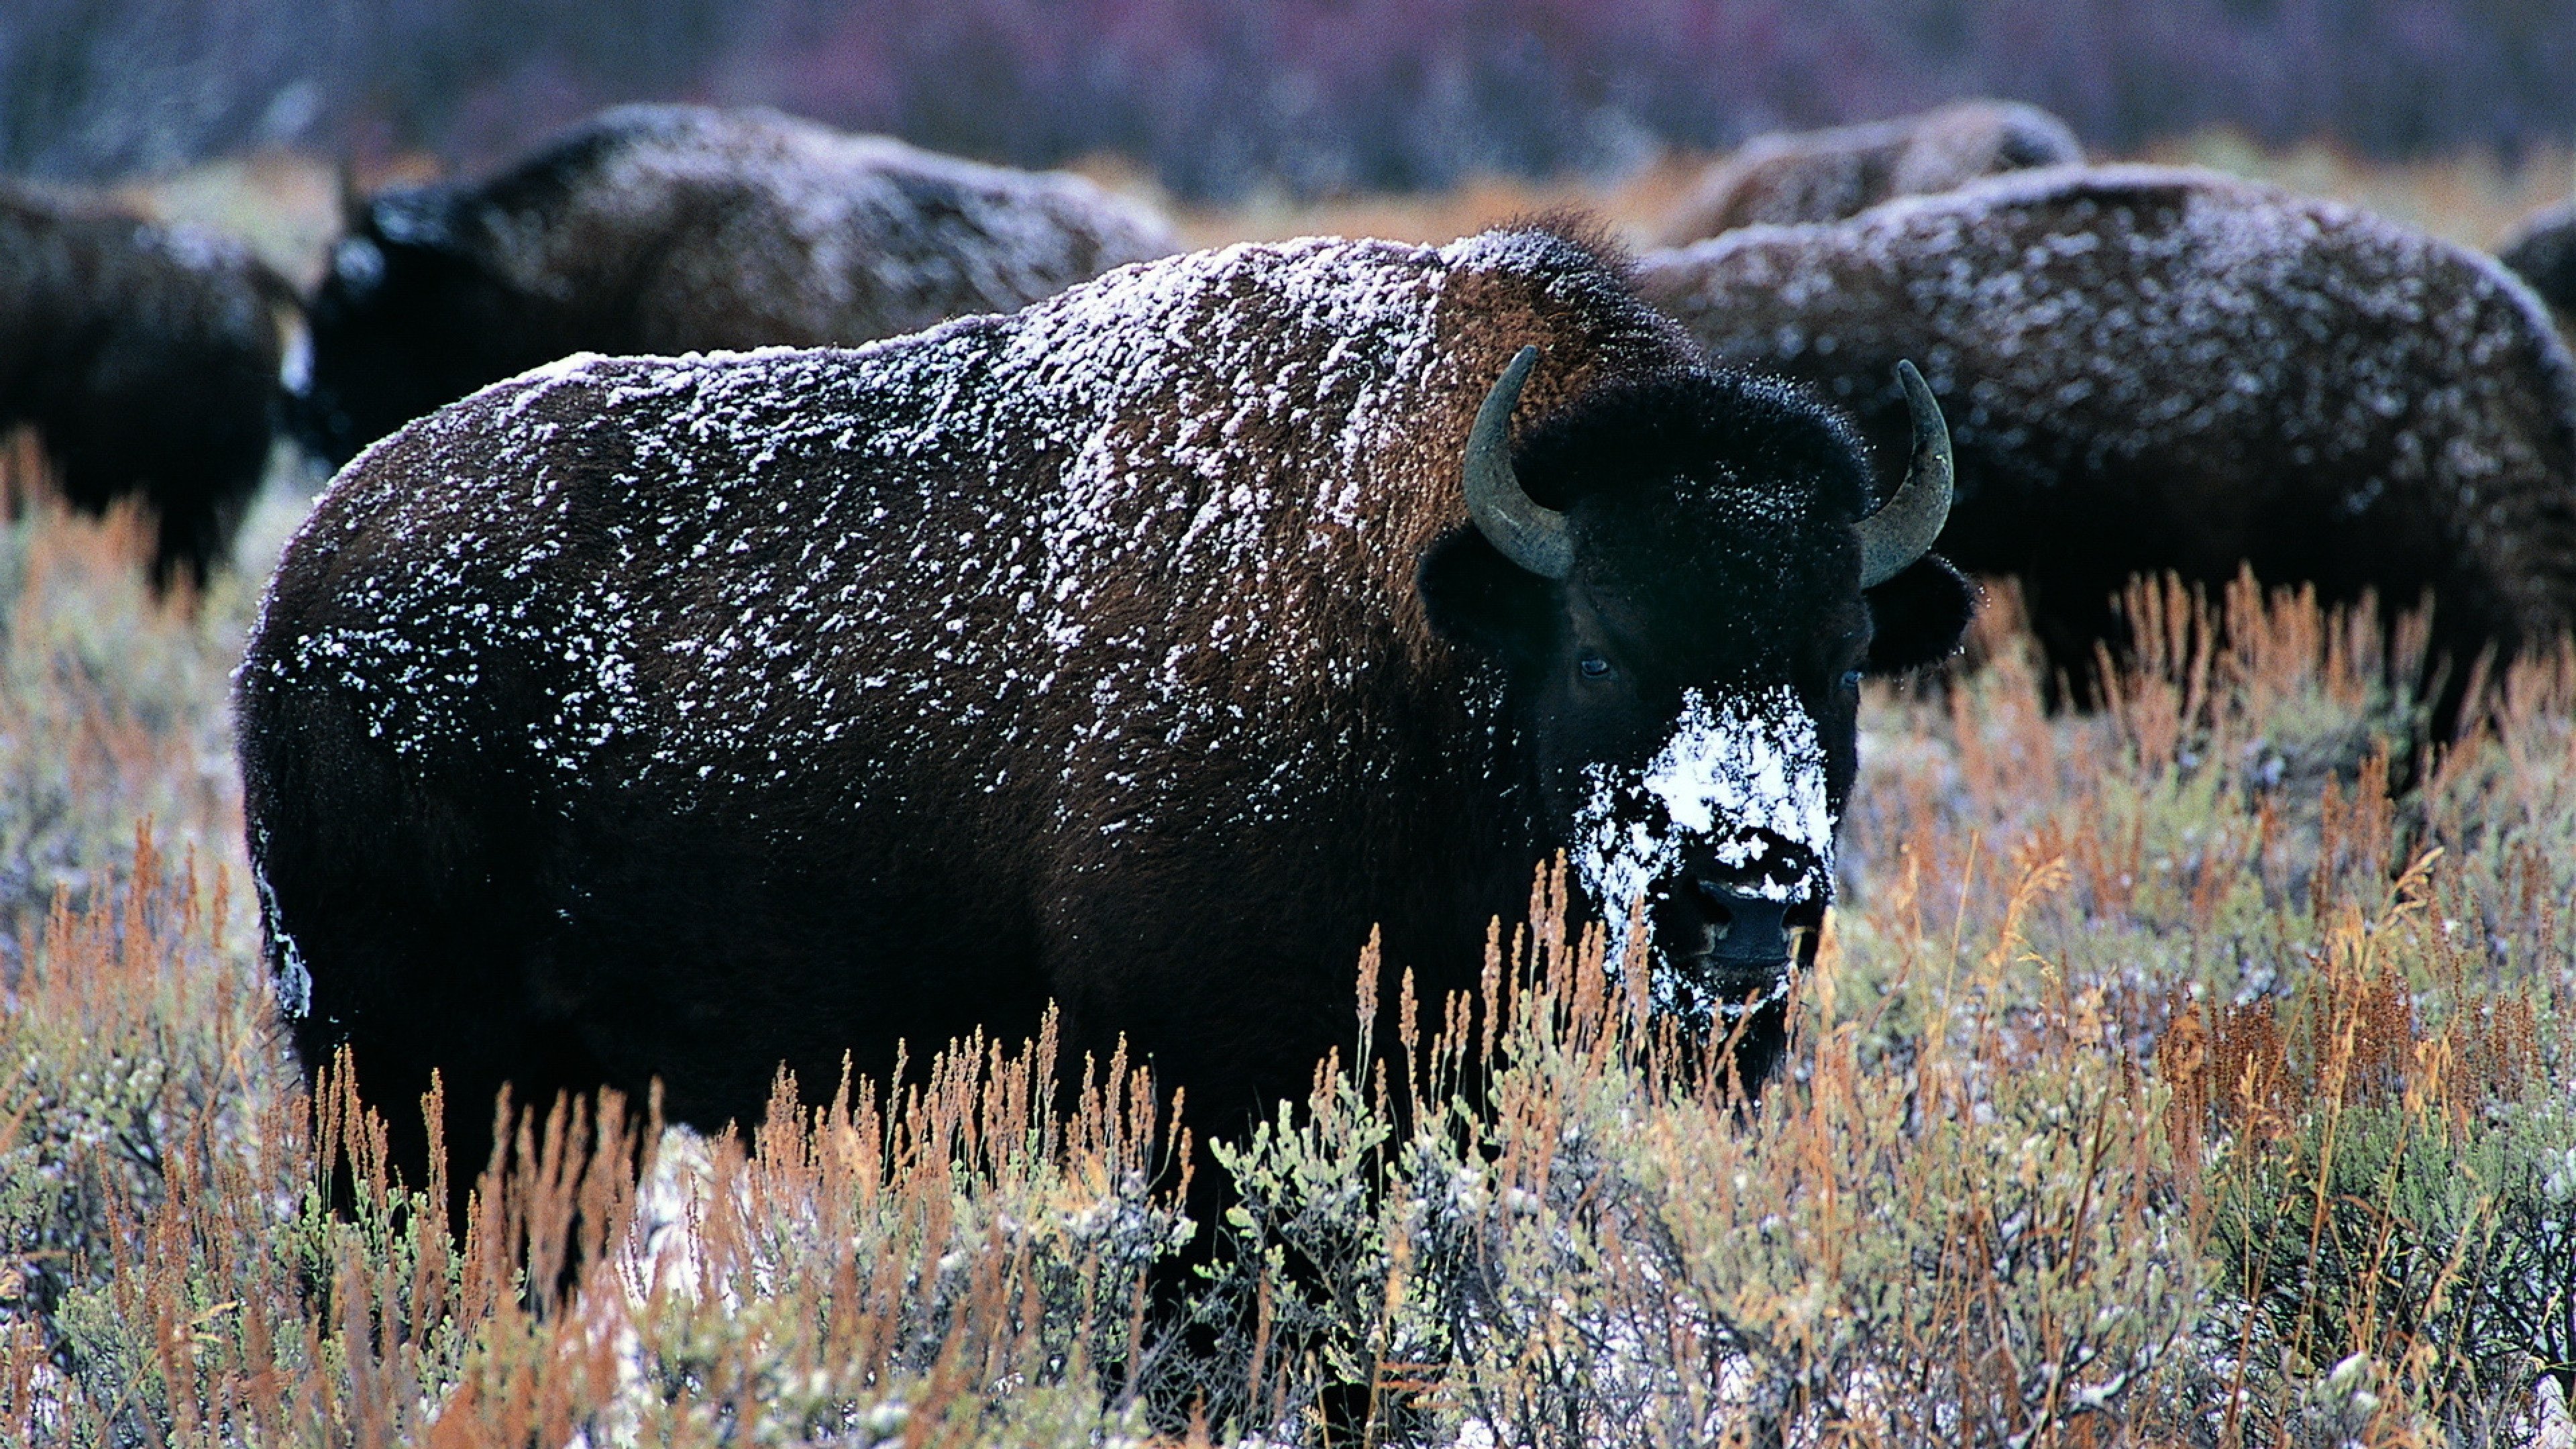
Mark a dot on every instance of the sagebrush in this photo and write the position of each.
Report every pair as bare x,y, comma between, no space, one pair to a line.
2191,1072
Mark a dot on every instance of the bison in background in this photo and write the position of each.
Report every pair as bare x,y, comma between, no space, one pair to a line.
146,358
1811,176
2149,369
2541,249
669,229
1141,651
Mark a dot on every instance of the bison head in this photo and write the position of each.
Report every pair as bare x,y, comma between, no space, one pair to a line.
1684,587
404,322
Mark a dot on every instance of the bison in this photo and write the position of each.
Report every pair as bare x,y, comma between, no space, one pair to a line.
2162,369
1812,176
2542,251
1141,651
146,358
662,228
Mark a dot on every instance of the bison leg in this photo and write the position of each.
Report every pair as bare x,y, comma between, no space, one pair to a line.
399,919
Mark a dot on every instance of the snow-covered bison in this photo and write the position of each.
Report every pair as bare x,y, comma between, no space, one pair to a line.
2150,369
1811,176
679,718
672,229
146,358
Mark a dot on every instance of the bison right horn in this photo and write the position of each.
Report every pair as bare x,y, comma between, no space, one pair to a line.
1536,538
1902,529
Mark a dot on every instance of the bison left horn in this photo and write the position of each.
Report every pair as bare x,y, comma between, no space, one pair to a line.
1536,538
1903,528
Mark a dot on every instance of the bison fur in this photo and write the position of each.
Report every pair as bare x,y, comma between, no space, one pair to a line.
669,229
2541,250
1811,176
2153,369
679,718
146,359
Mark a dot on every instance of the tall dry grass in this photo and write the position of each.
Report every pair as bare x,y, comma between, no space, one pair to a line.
2193,1072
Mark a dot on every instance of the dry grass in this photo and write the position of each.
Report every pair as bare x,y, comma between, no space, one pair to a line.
2191,1073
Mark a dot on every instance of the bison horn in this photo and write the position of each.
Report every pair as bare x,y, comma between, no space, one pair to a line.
1902,528
1536,538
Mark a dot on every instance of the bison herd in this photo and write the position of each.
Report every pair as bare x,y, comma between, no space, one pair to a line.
1077,620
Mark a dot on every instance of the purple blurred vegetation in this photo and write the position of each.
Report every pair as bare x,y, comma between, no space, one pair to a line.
1219,97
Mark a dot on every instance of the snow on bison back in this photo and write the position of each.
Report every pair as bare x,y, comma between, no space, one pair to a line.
666,228
1791,177
2156,369
1142,650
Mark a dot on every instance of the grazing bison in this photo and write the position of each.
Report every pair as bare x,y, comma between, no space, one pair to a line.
1138,651
1810,176
147,360
2151,369
680,229
2542,251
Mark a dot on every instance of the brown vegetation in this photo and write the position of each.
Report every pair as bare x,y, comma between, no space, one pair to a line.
2190,1073
2196,1072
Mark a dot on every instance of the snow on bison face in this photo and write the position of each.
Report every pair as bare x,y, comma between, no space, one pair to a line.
1684,588
1726,834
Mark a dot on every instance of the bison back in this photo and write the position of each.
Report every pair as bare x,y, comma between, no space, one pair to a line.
2153,369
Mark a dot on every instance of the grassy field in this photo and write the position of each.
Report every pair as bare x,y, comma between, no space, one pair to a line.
2198,1072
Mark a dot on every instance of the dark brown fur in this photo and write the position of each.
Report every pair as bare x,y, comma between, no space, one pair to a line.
668,229
1810,176
2150,369
147,360
2541,249
677,718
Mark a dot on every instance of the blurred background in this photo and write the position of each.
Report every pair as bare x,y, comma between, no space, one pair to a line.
1229,101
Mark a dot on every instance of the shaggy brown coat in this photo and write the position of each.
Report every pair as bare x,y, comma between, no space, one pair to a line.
1809,176
2149,369
677,718
146,358
669,229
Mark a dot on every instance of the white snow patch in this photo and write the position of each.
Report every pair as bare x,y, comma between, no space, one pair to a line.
1739,772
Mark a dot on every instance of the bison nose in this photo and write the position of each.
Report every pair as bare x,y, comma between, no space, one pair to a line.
1747,928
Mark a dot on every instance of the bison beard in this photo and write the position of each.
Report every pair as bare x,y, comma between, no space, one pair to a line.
1140,651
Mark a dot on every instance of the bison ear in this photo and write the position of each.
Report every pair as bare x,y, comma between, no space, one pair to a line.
1918,616
1474,595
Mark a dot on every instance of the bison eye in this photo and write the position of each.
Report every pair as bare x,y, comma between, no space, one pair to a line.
1850,681
1593,666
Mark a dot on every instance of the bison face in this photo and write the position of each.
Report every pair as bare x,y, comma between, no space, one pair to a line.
1684,623
405,322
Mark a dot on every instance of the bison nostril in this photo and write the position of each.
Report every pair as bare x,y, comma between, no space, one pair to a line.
1744,926
1720,904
